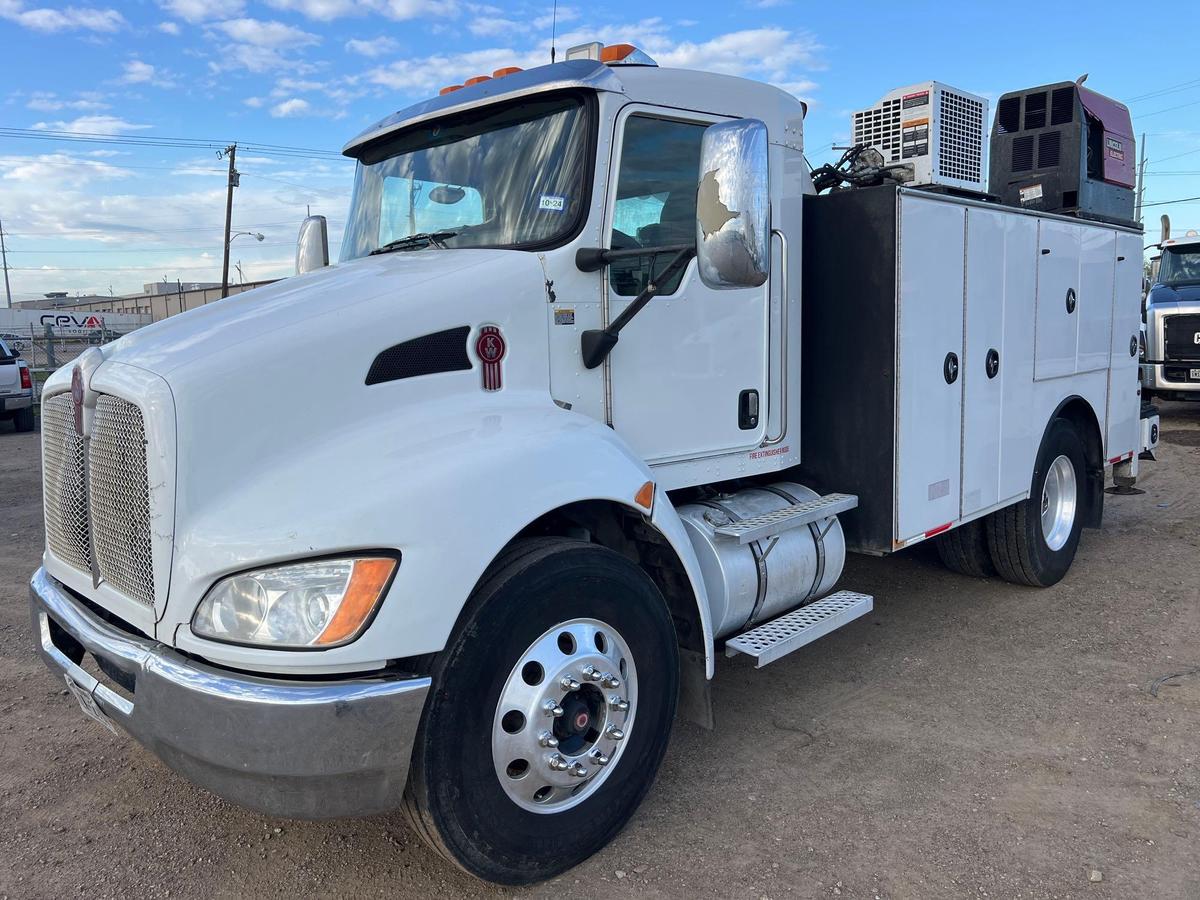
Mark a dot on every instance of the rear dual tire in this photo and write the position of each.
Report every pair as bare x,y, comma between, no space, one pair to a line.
483,791
1033,542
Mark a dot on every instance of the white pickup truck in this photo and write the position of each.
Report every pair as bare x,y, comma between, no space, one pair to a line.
16,388
590,347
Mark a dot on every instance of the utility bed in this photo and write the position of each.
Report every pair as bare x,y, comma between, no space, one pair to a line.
938,332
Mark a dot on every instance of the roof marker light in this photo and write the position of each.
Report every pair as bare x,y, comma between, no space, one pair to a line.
507,70
450,88
476,80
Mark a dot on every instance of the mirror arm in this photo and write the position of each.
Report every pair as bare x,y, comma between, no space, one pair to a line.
597,343
593,259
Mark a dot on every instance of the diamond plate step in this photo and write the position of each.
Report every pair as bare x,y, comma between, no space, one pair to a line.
768,524
779,637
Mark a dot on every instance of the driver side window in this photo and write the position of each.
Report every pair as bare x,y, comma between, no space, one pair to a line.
656,198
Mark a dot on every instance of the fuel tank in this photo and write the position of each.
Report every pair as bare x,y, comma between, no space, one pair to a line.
750,583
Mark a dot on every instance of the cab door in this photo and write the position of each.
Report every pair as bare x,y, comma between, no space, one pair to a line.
689,375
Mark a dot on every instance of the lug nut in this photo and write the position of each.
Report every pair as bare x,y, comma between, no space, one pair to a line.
619,704
551,708
610,680
591,673
613,733
568,683
557,762
599,758
577,770
546,739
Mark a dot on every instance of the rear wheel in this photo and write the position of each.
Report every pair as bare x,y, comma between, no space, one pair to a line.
549,715
965,550
1034,542
23,419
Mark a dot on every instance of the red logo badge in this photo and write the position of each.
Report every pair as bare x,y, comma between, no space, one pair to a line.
77,398
490,347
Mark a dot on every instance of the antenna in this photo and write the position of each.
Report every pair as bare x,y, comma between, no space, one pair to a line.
553,30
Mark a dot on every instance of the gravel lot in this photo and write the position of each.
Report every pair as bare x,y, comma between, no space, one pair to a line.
969,738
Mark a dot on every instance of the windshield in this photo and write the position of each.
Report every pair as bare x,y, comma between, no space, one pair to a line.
1180,265
508,176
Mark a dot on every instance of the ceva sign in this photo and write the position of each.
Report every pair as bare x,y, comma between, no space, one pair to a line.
64,320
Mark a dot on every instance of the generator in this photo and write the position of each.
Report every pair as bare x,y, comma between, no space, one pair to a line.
1062,148
940,131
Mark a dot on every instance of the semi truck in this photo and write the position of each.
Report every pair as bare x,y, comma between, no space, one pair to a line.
1171,368
607,392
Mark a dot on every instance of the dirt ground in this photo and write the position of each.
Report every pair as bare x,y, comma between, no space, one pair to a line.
967,739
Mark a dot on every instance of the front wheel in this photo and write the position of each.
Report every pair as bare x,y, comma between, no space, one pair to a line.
1034,542
550,713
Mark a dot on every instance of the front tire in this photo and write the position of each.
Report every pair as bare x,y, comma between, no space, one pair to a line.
507,779
23,419
1034,542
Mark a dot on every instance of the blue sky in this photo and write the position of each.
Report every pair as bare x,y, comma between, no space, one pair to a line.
86,217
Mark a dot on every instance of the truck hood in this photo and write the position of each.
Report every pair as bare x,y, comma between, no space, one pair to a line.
1162,294
393,289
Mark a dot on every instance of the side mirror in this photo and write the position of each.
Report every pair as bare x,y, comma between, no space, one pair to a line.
312,246
733,209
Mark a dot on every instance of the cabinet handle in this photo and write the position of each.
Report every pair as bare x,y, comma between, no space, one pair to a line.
1071,300
950,368
991,363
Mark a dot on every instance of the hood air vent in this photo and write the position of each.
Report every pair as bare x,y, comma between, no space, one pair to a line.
442,351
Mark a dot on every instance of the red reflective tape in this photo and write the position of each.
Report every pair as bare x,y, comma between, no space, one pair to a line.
932,531
1117,459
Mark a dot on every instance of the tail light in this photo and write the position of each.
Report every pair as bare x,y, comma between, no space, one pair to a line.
26,381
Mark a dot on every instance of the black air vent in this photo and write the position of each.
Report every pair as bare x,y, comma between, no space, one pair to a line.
1008,115
1062,106
1049,149
1035,111
442,351
1022,154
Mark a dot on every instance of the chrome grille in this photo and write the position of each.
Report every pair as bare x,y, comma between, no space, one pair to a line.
119,494
63,492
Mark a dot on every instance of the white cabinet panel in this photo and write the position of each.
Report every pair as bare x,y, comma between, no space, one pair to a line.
1095,305
998,359
1123,426
1057,294
930,332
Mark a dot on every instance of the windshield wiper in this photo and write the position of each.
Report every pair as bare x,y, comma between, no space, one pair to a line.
414,241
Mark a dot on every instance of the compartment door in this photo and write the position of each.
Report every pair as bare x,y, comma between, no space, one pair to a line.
1057,299
929,373
997,376
1123,426
1097,258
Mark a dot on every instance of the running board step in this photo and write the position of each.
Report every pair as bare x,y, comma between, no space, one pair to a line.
779,637
769,524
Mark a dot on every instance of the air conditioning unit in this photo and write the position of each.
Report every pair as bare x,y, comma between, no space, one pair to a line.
938,130
1062,148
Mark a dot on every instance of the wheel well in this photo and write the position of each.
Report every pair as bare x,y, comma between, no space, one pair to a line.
628,532
1079,413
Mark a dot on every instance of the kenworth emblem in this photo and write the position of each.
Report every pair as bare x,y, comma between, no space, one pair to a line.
490,347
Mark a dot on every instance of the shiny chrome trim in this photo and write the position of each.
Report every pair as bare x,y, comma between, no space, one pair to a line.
784,343
574,73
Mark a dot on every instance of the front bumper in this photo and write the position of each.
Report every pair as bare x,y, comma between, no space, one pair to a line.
14,402
1154,377
305,749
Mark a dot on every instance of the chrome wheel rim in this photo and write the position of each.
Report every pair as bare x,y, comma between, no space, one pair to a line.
1059,501
564,716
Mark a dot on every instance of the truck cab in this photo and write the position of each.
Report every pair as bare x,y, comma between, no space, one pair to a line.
1171,368
557,466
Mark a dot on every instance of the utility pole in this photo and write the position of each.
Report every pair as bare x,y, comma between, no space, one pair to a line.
1137,214
4,256
231,152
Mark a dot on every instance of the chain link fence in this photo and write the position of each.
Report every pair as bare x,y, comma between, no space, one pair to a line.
48,347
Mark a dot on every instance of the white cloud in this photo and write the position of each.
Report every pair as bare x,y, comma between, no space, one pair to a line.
92,125
293,107
72,18
260,33
489,26
138,72
321,10
372,48
203,10
170,28
57,169
254,102
47,101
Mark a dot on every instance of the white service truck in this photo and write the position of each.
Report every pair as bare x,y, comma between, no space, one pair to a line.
478,583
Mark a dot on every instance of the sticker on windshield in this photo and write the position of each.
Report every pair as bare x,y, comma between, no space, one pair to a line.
552,203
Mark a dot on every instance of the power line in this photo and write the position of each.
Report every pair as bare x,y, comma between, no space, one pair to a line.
1168,109
152,249
1179,200
91,137
1169,89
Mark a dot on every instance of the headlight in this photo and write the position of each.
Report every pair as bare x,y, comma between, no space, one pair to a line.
312,604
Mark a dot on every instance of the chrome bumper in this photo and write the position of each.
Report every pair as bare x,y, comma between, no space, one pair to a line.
305,749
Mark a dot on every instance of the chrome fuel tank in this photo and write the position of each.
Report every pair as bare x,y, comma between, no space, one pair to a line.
750,583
